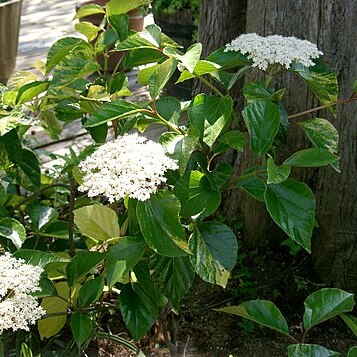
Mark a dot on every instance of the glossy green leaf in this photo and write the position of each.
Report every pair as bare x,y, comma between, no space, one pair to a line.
263,312
180,147
325,304
138,309
176,276
214,248
234,139
110,111
30,91
39,258
58,229
305,350
323,135
188,60
210,115
30,165
91,291
198,199
311,158
87,29
82,264
152,33
159,222
120,23
220,175
61,49
262,119
142,56
351,322
321,80
122,257
89,9
255,91
229,59
292,204
253,184
97,222
163,72
277,174
352,352
41,216
115,7
13,230
81,326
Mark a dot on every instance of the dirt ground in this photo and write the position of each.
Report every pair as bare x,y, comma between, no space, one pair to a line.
277,276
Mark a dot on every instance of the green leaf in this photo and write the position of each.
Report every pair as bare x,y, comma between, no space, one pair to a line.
97,222
62,48
210,115
87,29
152,33
277,174
139,310
215,248
81,326
197,198
311,158
115,7
292,204
262,119
50,123
188,60
89,9
38,258
142,56
176,276
255,91
169,108
91,291
110,111
325,304
13,230
159,223
263,312
202,67
351,322
120,24
252,184
352,352
323,135
229,59
30,91
219,176
163,72
321,80
31,167
234,139
180,147
122,257
58,229
82,264
47,288
304,350
41,216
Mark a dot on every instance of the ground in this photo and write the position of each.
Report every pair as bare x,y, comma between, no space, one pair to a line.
277,276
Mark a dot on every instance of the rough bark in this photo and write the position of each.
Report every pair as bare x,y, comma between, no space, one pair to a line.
332,25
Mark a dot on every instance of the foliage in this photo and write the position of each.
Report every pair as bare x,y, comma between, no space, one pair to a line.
320,306
136,257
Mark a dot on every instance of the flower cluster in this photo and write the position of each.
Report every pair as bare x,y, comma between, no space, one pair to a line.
275,49
18,309
130,166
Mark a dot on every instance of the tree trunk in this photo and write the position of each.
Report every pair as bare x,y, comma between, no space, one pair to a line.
330,24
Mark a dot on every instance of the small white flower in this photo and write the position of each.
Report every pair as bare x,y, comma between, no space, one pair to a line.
130,166
18,310
275,49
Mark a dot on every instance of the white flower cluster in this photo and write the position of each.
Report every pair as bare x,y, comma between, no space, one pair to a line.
18,309
275,49
130,166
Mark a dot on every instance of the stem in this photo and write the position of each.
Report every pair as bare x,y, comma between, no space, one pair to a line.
268,79
39,192
73,190
340,101
115,127
171,126
209,84
304,336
